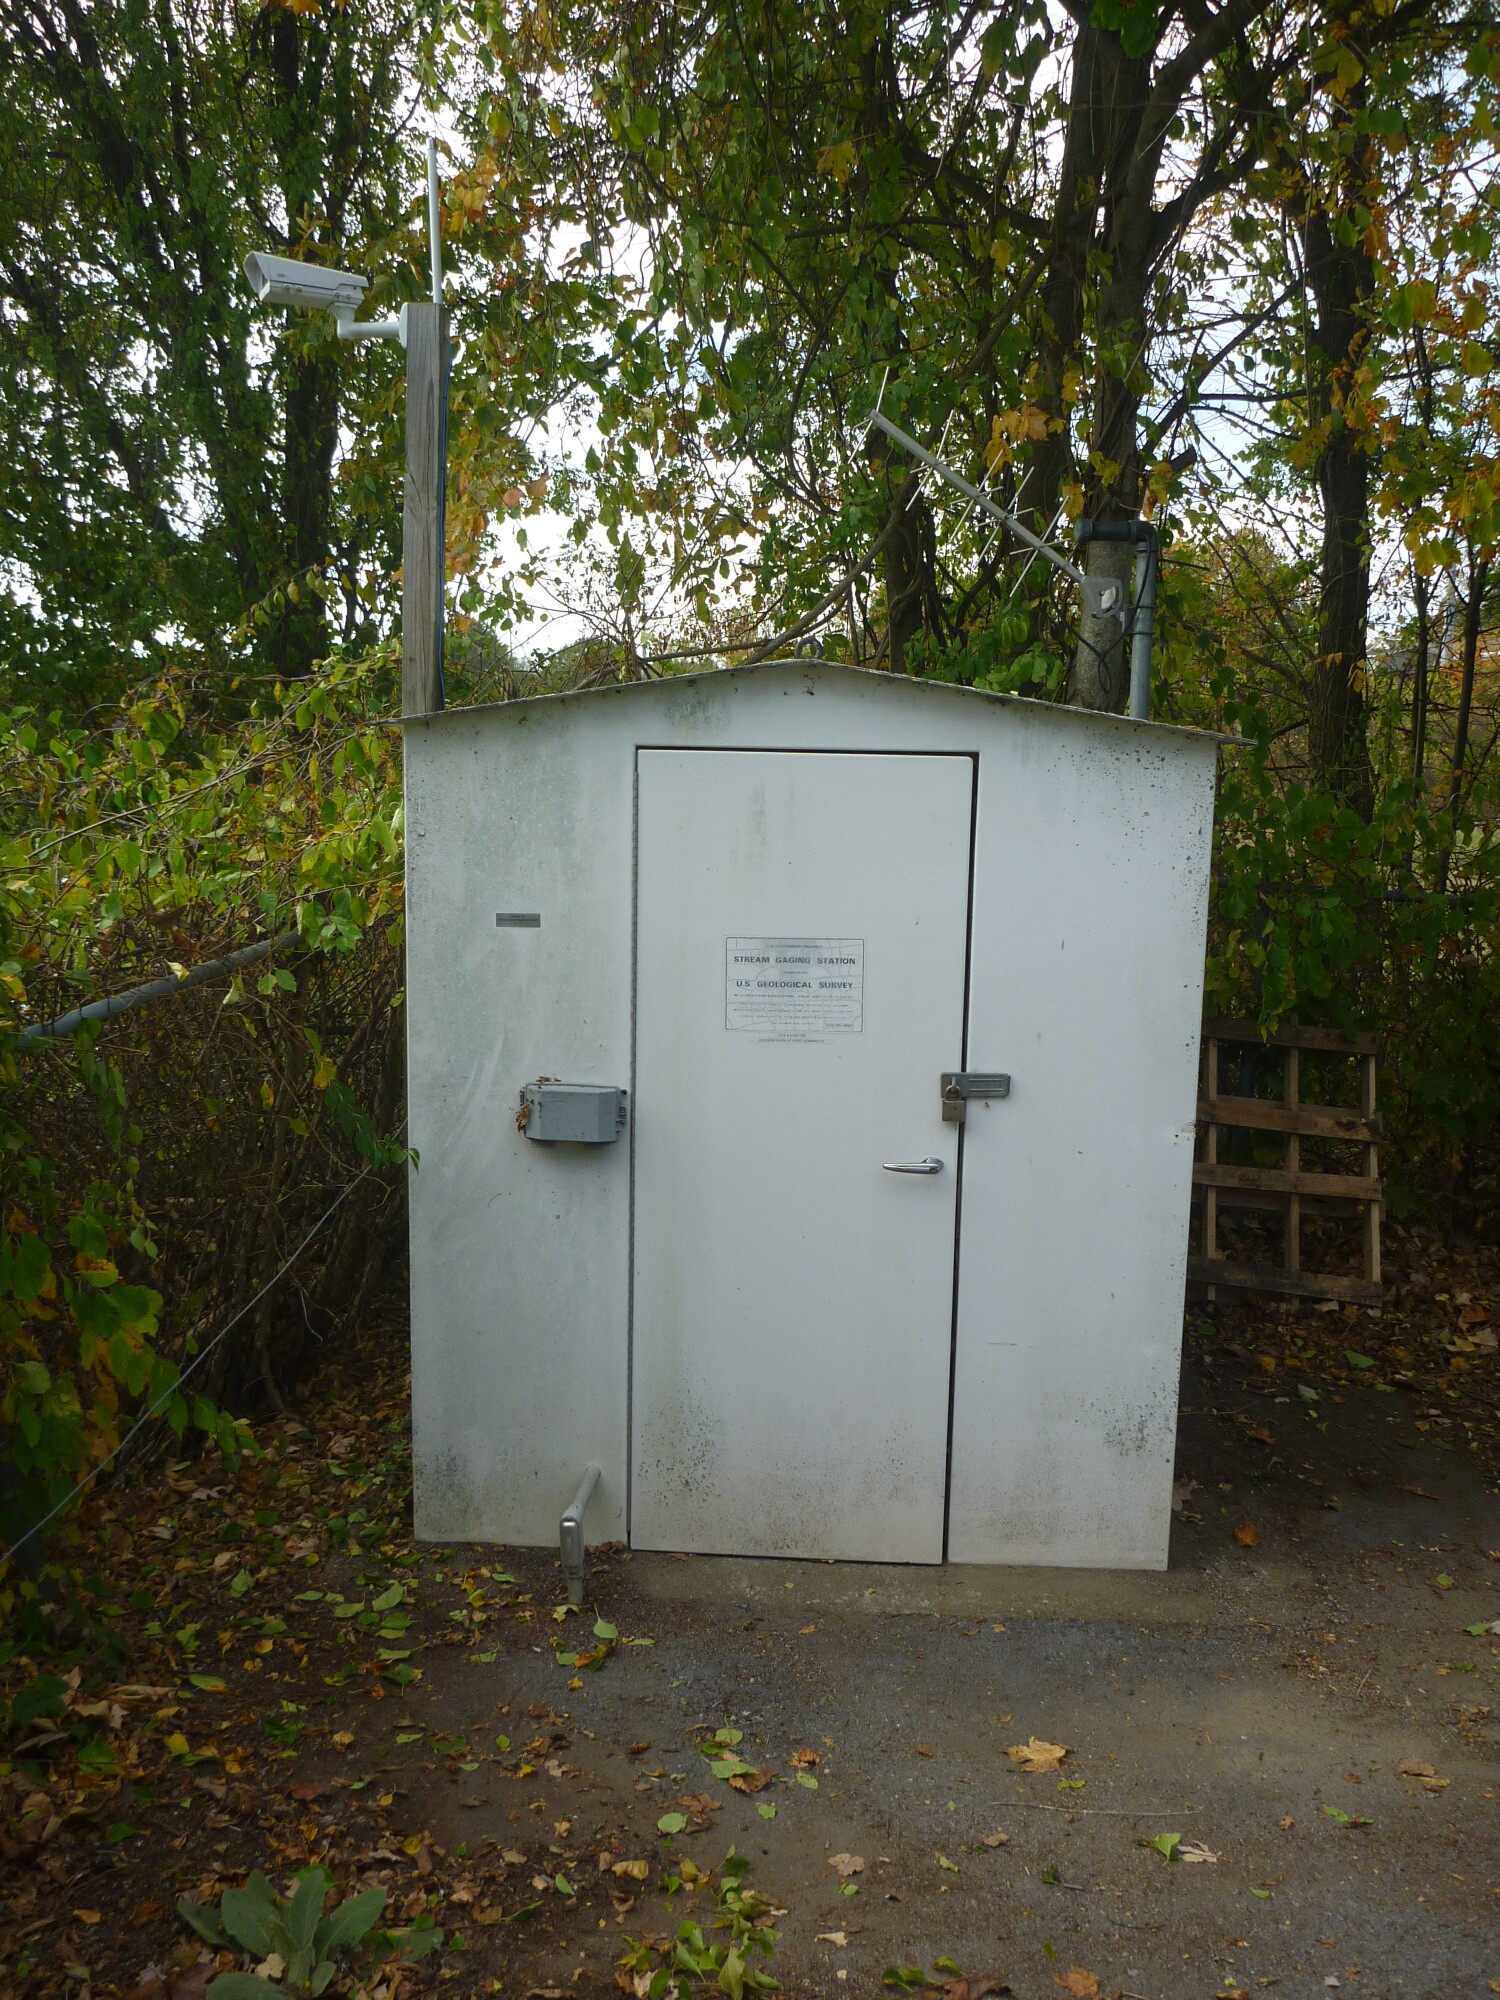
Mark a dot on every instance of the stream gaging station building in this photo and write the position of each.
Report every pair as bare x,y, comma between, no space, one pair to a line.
802,1082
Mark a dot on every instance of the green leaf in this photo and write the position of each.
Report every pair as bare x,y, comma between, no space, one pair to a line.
1166,1845
241,1583
563,1886
670,1823
604,1630
210,1683
351,1922
766,1812
388,1599
1357,1360
240,1986
248,1915
201,1918
807,1781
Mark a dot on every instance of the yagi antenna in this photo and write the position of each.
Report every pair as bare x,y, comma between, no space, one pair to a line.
1104,597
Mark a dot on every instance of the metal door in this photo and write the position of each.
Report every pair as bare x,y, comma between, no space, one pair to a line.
801,948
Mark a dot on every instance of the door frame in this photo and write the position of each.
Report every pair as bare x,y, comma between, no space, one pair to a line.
783,750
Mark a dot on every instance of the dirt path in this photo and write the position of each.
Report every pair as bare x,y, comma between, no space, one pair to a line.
317,1689
1256,1701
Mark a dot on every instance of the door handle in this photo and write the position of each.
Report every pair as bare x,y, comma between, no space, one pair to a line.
928,1166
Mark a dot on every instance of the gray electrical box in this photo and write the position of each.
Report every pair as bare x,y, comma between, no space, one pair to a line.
580,1114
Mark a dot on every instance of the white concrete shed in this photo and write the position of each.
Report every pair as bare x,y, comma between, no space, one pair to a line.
802,1077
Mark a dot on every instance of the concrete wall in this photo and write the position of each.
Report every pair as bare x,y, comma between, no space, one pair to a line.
1091,874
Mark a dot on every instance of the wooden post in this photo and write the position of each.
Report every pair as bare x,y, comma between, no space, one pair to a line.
1291,1255
422,529
1211,1155
1372,1168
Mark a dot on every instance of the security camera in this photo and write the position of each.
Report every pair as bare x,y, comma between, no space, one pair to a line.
287,281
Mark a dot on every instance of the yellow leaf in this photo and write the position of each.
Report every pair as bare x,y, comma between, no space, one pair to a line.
1077,1983
634,1871
839,160
177,1744
1036,1756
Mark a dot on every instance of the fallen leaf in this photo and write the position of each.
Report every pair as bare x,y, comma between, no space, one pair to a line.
844,1865
1413,1767
1080,1984
1262,1434
87,1916
1246,1536
1286,1824
923,1751
145,1913
1194,1850
343,1739
753,1780
633,1871
840,1938
639,1749
805,1757
308,1791
1166,1845
512,1855
1436,1784
1036,1756
1182,1491
997,1840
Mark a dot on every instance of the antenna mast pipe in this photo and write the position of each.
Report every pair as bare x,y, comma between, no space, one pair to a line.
977,494
434,228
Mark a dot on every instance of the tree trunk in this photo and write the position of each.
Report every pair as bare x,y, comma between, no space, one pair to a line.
1421,676
1341,277
912,599
1479,576
1100,673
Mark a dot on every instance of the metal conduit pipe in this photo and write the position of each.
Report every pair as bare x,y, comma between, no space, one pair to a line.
570,1539
158,989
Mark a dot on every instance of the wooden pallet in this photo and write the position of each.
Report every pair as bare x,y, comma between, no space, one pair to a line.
1290,1188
